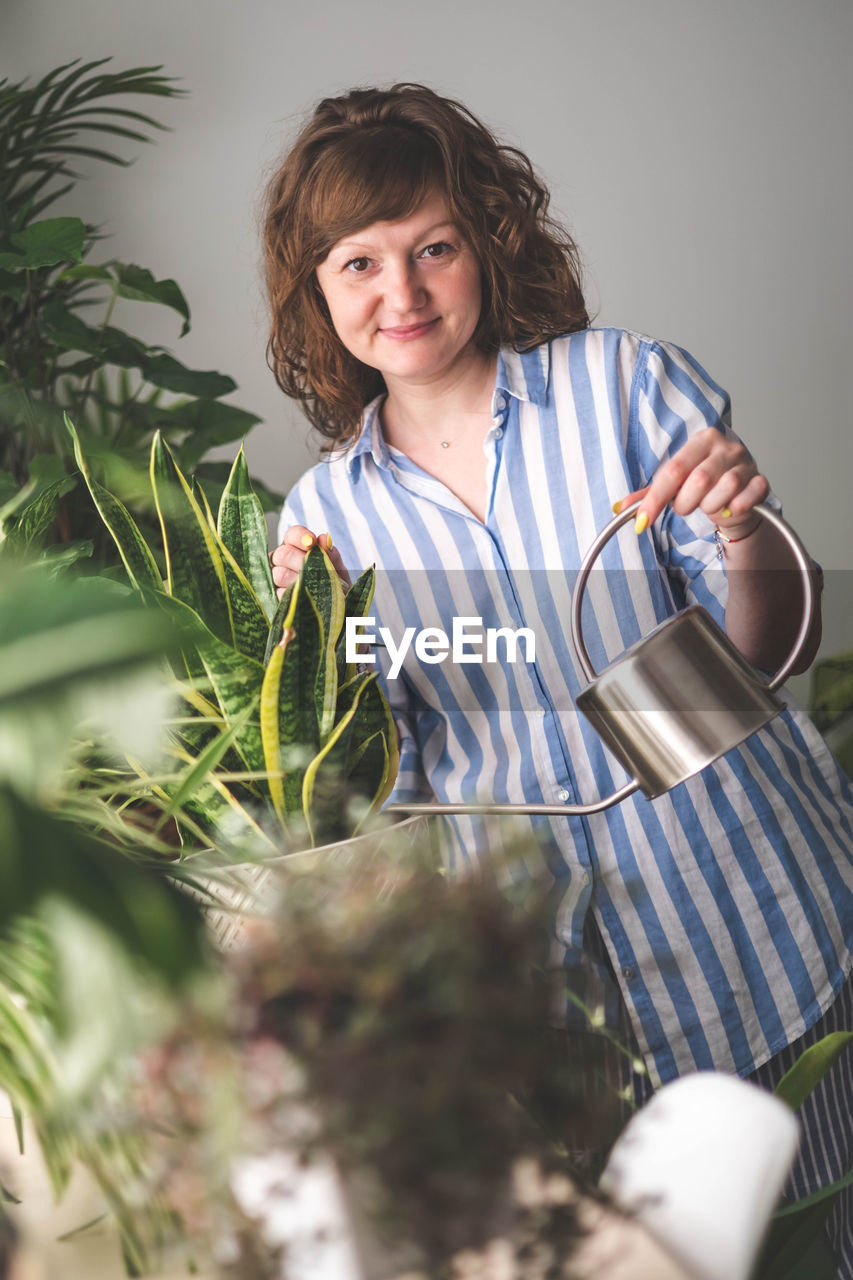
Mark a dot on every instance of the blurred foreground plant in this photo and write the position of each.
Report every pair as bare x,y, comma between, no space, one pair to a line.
94,931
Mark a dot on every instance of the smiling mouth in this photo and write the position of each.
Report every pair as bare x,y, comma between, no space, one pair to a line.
406,332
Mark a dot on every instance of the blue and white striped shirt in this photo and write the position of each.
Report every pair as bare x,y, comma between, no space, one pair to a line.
726,905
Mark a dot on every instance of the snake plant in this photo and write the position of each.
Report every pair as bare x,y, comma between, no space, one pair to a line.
280,738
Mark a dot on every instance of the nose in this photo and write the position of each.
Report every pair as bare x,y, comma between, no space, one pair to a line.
404,292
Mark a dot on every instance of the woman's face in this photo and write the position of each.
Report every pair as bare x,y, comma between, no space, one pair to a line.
405,296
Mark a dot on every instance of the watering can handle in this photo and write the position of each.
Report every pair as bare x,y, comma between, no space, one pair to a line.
767,513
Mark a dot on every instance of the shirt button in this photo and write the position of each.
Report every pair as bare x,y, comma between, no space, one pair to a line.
629,974
498,432
563,794
585,878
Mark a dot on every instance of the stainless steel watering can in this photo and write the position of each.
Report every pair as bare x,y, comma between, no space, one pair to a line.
674,702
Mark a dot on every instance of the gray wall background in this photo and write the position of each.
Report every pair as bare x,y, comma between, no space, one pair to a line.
700,153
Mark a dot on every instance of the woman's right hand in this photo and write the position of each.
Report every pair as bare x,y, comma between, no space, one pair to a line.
286,559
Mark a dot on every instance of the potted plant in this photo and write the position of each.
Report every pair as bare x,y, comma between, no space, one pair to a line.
281,742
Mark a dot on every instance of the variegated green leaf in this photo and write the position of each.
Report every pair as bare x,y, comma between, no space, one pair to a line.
357,604
360,595
288,709
277,624
250,623
219,810
237,682
319,577
136,555
203,763
374,773
243,530
251,627
201,498
325,791
195,573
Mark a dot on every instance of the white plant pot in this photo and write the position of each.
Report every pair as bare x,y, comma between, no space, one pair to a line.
702,1166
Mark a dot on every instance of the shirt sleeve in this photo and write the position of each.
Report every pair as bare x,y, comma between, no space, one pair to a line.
673,398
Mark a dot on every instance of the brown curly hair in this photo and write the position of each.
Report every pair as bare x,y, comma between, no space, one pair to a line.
374,155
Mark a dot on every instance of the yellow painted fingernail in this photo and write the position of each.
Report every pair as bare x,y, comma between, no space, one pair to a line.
725,513
307,539
617,507
328,542
641,523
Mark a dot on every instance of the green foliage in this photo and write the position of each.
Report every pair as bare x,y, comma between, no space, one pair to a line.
58,346
797,1247
278,734
88,915
77,660
810,1068
831,705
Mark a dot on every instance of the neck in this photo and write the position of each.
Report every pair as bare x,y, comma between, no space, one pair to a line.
427,412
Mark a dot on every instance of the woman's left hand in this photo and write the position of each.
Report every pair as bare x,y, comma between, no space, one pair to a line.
711,473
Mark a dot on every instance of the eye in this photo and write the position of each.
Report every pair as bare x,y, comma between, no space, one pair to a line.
437,250
357,265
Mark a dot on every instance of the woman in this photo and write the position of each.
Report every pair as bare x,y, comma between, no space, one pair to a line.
429,314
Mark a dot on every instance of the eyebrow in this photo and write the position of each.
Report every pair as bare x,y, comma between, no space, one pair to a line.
347,245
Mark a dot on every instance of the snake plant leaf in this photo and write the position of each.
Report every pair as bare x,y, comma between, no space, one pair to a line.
376,754
325,793
201,498
135,553
277,624
810,1068
359,598
373,773
202,764
320,579
194,570
357,604
251,628
289,729
237,681
242,529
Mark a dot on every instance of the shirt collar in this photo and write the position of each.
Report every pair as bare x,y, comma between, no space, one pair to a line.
524,375
370,439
